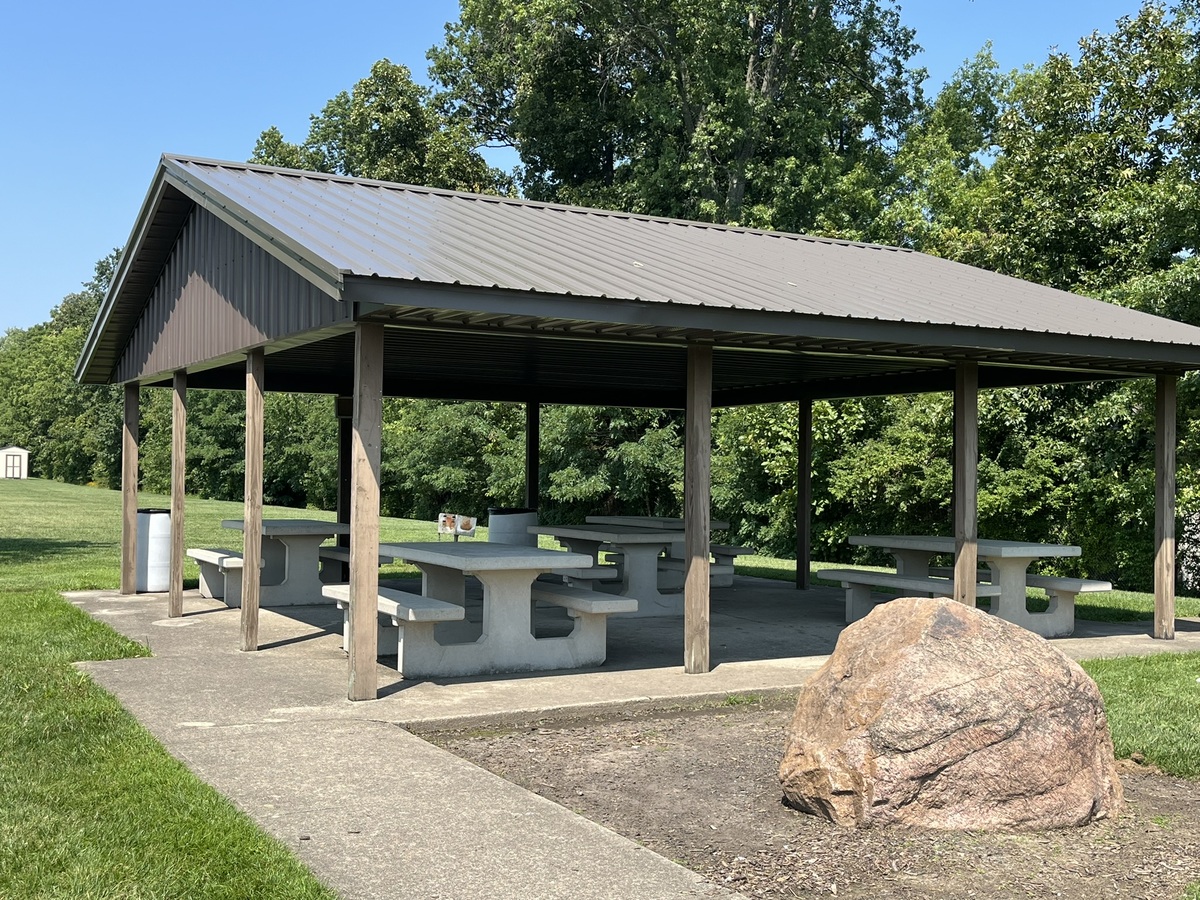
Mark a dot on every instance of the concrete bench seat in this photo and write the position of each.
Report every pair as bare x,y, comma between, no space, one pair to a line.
1059,618
858,584
582,600
724,555
720,572
406,621
590,610
585,577
671,568
220,573
332,558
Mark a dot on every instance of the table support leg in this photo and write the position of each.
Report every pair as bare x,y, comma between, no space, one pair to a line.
641,582
912,562
442,583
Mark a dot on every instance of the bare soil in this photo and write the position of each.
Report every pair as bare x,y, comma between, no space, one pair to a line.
698,785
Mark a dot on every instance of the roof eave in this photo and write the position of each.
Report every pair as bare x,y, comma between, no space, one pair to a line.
170,174
376,295
83,368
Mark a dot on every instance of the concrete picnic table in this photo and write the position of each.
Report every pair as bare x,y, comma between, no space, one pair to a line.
507,572
666,523
640,548
1008,561
291,561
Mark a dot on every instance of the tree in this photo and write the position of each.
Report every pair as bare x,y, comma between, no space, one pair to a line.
773,114
72,431
944,191
387,128
611,460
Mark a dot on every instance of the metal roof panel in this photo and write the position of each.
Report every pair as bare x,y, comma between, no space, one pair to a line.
549,263
401,232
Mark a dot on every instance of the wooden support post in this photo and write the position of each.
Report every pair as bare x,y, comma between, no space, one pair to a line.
344,410
252,525
804,456
129,489
1164,508
178,478
697,493
533,453
364,510
966,482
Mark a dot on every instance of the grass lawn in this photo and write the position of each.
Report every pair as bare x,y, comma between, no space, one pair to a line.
94,807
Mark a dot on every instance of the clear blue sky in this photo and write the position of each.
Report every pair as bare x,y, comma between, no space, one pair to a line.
94,93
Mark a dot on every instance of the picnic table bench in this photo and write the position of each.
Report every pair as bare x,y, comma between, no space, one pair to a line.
858,584
585,576
720,571
406,622
220,573
333,558
590,610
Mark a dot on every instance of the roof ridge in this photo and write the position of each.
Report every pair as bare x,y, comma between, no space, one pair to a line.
525,202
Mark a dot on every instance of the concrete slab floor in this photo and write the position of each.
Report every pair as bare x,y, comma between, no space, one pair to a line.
378,813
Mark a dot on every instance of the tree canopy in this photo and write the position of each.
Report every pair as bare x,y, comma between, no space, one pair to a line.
387,127
777,114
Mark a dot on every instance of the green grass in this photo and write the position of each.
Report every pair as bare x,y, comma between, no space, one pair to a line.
94,807
1102,606
1153,705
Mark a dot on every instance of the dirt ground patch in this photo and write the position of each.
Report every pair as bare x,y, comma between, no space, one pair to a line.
698,785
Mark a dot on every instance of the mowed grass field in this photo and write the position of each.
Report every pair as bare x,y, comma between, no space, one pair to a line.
93,807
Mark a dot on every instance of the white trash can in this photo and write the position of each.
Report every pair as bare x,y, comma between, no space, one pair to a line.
153,560
510,525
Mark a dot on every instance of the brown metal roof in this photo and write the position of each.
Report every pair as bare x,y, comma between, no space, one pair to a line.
440,261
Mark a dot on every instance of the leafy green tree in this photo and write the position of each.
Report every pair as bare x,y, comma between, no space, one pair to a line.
440,457
773,114
300,451
72,431
944,190
610,460
1097,159
386,127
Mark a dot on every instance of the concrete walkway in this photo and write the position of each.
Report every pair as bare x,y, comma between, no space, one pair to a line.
376,812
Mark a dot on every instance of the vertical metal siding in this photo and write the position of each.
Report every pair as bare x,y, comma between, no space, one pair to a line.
219,293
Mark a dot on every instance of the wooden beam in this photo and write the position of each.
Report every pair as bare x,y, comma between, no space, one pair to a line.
966,480
129,488
253,500
804,456
697,500
1164,508
364,510
178,479
533,453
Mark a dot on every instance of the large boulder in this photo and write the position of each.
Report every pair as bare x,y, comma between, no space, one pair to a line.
935,714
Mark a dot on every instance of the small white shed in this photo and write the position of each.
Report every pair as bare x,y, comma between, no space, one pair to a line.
14,462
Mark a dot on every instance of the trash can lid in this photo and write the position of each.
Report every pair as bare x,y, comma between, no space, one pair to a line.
508,510
163,511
